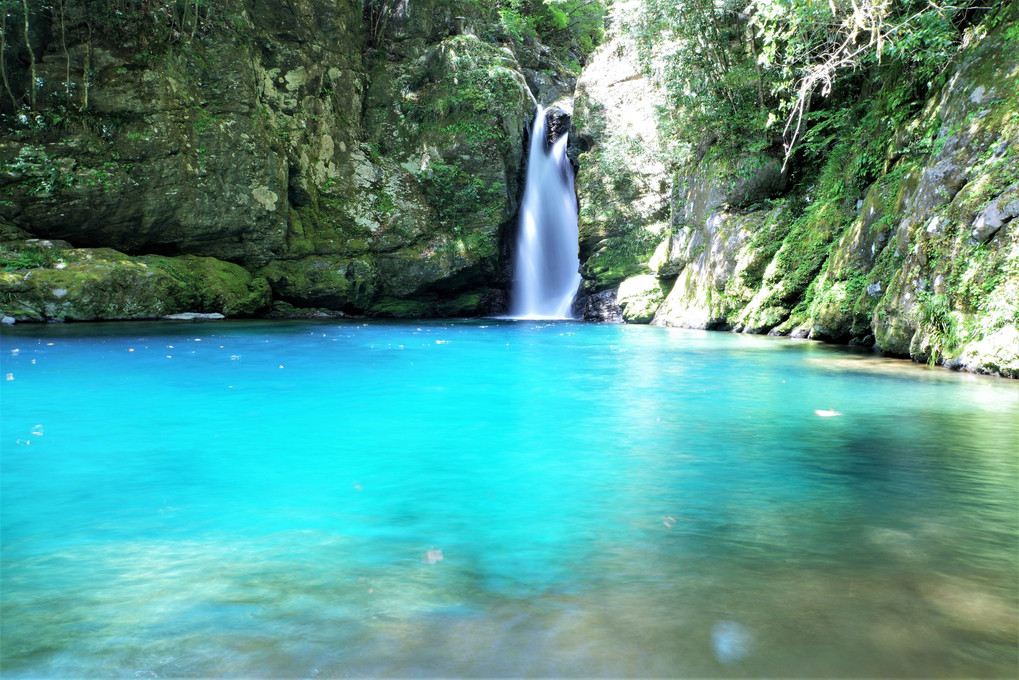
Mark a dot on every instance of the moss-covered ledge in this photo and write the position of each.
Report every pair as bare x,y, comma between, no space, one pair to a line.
42,280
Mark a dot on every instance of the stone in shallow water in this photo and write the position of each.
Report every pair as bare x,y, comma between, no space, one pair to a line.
193,316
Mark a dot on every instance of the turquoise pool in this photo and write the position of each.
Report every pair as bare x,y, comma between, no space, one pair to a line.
496,498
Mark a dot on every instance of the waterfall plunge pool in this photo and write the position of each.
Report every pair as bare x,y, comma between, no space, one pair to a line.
253,499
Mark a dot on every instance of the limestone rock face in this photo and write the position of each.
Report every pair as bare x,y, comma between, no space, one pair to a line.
191,149
623,184
450,121
954,296
640,297
721,269
716,182
995,353
921,260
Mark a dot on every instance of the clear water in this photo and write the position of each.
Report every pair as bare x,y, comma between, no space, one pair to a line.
498,498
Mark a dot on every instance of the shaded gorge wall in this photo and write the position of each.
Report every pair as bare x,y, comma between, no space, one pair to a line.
266,158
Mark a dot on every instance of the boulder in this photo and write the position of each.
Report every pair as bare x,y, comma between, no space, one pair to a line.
91,284
639,297
602,307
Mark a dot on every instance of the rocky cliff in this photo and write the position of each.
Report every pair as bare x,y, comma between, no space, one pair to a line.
324,156
919,259
255,155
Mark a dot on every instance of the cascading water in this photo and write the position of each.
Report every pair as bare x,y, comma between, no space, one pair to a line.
546,274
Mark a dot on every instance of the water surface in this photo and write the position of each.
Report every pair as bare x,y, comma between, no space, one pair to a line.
255,499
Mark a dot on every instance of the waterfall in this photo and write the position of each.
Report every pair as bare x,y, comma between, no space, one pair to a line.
546,273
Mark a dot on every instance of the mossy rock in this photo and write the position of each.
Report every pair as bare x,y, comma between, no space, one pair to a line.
103,284
401,309
345,284
611,263
463,305
85,284
720,181
441,263
220,286
640,297
997,353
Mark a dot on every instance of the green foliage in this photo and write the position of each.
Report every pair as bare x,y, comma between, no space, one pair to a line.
620,257
572,28
68,32
146,21
472,241
735,69
707,57
375,14
384,203
203,118
455,194
934,315
476,91
25,257
39,173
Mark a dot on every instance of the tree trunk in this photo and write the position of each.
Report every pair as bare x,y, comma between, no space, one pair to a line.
67,55
31,57
3,59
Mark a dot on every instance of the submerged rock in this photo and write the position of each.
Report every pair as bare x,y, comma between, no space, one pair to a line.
730,641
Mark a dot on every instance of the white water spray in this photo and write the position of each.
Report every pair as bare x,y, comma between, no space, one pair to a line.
546,273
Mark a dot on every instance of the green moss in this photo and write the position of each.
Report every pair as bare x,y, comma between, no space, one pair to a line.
384,204
346,284
465,304
614,263
393,307
103,284
14,257
458,195
222,286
